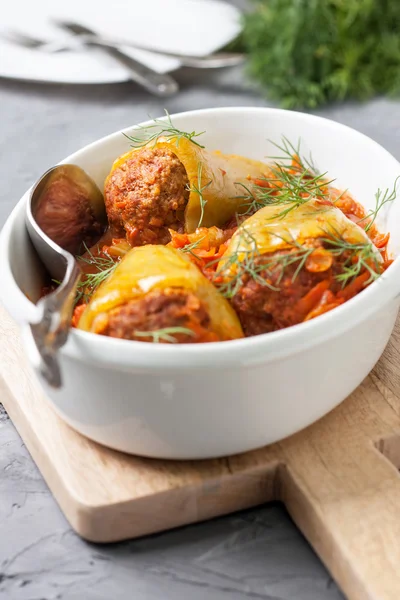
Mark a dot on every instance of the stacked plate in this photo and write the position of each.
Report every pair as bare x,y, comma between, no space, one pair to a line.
194,27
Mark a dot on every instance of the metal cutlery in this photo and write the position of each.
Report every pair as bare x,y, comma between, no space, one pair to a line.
160,84
212,61
24,40
54,246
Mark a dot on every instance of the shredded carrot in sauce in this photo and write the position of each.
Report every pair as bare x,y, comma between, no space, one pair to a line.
205,247
319,261
327,302
354,287
308,302
78,311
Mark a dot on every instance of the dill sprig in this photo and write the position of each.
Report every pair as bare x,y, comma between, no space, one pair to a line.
199,190
297,189
89,282
167,334
264,272
288,151
299,254
190,247
342,193
359,257
294,181
238,264
269,272
294,177
381,198
164,129
252,203
245,265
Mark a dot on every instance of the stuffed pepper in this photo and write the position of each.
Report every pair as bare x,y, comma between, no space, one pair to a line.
283,268
156,294
174,183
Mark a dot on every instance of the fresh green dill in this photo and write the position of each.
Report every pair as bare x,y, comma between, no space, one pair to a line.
165,335
289,151
299,177
381,198
358,257
251,201
269,269
89,282
190,247
340,196
199,190
287,148
160,128
229,285
264,269
308,53
229,278
294,181
297,189
298,254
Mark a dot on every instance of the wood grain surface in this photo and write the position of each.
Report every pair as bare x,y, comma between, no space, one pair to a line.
338,478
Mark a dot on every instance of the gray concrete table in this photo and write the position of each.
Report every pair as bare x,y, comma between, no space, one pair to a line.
254,554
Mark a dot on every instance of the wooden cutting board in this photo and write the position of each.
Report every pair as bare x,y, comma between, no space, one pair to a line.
339,478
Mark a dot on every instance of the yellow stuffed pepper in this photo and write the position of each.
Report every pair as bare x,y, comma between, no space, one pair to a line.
174,183
283,268
156,294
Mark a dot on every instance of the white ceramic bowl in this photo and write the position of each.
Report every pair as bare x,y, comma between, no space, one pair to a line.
199,401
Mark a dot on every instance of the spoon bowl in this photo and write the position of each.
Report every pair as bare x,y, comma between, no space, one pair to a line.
65,213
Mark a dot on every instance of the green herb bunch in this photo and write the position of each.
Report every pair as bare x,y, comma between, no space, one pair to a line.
306,53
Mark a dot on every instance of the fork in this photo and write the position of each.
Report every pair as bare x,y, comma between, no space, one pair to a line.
211,61
160,84
32,43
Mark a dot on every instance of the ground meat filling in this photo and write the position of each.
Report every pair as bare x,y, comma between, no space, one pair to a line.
160,310
262,310
146,195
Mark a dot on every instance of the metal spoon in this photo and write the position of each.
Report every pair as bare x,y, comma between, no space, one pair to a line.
64,211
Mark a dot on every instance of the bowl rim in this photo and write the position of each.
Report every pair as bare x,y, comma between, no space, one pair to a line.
126,354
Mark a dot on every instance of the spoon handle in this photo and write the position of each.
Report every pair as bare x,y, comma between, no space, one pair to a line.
159,84
50,333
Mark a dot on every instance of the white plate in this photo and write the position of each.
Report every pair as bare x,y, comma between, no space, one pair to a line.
196,27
